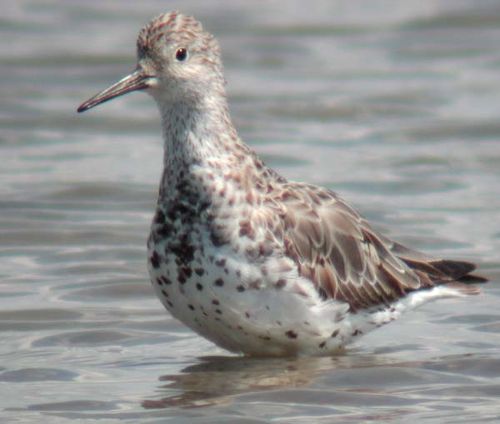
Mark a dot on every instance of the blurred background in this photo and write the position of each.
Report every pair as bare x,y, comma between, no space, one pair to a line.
393,104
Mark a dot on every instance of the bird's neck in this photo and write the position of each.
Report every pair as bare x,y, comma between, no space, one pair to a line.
195,131
199,135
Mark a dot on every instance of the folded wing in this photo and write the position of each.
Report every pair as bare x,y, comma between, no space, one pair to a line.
346,260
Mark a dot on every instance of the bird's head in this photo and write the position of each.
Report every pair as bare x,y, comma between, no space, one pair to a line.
176,61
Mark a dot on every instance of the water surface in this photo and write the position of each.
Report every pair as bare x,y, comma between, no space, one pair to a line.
393,104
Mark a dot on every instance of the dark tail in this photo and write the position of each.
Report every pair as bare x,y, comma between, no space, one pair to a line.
456,274
459,271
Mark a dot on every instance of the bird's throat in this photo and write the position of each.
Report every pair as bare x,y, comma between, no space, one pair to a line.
198,136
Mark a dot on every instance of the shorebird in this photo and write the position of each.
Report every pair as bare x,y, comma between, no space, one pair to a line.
252,261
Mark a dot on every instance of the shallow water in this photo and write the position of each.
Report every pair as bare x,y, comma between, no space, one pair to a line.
393,104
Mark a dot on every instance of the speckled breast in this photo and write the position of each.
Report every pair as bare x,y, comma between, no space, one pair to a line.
217,264
199,265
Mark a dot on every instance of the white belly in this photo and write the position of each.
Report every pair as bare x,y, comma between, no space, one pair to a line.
245,307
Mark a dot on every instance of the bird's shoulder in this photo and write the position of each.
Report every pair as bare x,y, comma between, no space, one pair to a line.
337,249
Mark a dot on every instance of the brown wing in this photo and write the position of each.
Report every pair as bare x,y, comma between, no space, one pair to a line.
346,259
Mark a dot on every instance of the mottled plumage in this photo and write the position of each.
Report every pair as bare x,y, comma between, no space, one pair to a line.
249,260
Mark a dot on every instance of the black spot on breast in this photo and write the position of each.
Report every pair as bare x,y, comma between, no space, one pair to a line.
182,249
322,345
183,210
181,276
291,334
155,260
217,238
165,280
199,286
218,311
335,333
246,229
240,288
220,262
199,271
265,250
159,217
191,307
280,283
165,230
215,302
171,214
164,293
185,271
219,282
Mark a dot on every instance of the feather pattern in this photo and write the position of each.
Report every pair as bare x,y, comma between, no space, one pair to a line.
347,260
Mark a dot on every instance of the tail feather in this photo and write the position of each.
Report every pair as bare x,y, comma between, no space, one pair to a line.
454,269
454,274
472,279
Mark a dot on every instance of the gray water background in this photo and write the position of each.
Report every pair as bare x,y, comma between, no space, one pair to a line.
394,104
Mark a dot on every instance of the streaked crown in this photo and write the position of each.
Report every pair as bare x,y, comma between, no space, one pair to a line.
174,29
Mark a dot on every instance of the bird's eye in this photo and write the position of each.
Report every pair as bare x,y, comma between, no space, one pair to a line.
181,54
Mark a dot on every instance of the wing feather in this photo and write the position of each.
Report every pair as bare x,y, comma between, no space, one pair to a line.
347,260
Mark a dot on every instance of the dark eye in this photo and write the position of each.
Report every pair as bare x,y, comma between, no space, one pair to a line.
181,54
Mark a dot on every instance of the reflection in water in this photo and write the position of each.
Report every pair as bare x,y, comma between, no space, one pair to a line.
350,385
215,380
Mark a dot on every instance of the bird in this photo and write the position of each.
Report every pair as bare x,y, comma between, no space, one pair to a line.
258,264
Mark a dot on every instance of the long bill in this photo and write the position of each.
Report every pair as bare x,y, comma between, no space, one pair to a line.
137,80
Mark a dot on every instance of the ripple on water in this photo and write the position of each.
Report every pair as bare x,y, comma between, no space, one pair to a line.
37,374
111,291
394,106
84,338
75,406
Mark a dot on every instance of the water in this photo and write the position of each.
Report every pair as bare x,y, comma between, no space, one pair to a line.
393,104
